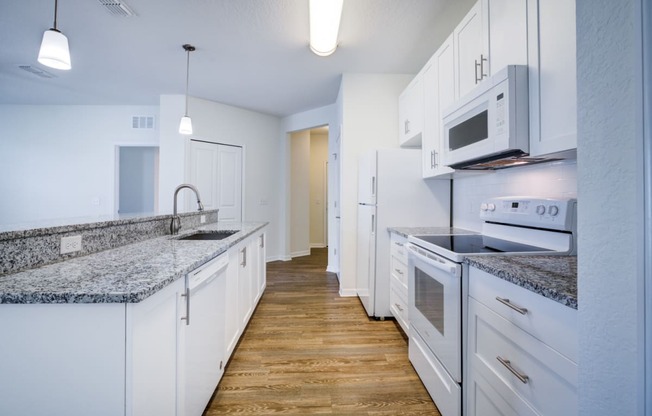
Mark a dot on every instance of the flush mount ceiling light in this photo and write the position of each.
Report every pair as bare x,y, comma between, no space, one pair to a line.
185,127
324,24
54,50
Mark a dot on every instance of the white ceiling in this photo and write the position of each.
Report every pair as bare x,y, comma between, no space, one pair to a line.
250,53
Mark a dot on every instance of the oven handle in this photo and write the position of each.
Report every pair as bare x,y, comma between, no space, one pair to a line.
433,260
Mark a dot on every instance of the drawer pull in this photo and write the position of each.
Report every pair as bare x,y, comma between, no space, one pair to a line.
398,307
522,377
398,244
398,271
506,302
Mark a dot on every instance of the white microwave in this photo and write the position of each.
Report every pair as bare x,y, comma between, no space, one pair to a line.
489,126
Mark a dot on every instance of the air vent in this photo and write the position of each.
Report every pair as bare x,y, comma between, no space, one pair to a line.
142,122
36,71
117,8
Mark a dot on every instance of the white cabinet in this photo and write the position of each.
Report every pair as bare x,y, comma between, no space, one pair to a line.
521,351
439,92
410,113
552,77
232,324
507,30
471,45
398,281
261,264
245,285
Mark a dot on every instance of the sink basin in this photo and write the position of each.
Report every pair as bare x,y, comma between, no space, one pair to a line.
208,235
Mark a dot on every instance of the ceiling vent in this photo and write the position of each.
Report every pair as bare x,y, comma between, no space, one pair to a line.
36,71
142,122
117,8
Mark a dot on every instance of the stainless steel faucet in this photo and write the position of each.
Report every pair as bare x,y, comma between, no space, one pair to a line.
175,225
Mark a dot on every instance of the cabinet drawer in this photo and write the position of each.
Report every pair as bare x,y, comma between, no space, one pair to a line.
398,303
544,373
398,247
545,319
399,270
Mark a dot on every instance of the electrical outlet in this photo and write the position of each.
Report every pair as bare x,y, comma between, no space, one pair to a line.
71,244
202,219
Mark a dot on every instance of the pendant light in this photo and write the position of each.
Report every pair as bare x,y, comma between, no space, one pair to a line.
325,18
54,50
185,127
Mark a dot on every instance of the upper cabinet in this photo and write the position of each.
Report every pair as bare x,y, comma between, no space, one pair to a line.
552,76
439,92
410,113
470,48
506,21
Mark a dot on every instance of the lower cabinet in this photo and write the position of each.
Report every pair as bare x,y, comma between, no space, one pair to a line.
162,356
519,361
398,290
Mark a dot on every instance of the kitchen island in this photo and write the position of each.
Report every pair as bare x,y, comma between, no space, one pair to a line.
120,331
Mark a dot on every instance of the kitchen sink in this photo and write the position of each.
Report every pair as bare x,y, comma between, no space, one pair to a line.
208,235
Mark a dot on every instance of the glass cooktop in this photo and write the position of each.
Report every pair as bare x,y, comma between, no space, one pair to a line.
477,243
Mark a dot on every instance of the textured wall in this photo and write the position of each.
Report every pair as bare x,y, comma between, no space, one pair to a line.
610,205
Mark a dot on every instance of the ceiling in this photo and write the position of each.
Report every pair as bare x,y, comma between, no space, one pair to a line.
252,54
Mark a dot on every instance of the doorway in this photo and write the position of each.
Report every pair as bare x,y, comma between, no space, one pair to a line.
137,179
308,190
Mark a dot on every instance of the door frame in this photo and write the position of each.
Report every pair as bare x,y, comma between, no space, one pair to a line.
645,386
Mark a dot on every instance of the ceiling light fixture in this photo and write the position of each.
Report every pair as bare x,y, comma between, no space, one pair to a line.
54,50
325,18
185,127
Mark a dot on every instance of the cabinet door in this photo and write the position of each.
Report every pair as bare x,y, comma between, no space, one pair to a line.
552,77
470,50
232,301
245,302
262,264
507,21
410,112
439,82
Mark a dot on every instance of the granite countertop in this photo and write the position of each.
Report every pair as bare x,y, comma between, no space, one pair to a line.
126,274
554,277
408,231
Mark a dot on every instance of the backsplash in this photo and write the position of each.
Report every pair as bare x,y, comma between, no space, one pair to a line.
549,180
27,249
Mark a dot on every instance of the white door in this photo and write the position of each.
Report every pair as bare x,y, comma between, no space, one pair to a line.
216,171
229,182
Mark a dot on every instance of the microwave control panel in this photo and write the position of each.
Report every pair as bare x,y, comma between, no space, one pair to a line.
550,213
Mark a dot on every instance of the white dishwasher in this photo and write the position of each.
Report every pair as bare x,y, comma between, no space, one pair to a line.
201,336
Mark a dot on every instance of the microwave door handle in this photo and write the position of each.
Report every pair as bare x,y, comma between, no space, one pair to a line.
445,266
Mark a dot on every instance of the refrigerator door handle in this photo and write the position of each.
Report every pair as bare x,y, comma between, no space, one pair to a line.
373,223
373,186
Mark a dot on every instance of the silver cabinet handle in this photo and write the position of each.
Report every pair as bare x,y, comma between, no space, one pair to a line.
432,159
509,304
398,271
522,377
262,240
186,295
480,65
477,65
244,257
398,244
407,126
398,307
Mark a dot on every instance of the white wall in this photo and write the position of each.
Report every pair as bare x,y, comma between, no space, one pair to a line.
368,110
318,177
257,133
610,175
549,180
58,161
300,193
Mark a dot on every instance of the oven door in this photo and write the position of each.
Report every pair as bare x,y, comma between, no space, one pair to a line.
435,306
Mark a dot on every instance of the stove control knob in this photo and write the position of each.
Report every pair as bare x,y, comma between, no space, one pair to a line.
483,207
541,209
553,210
491,207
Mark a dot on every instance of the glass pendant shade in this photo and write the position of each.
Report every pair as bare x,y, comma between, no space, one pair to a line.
325,18
54,50
185,127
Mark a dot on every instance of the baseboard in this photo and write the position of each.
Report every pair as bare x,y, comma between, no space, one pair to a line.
332,269
318,245
278,258
345,293
300,253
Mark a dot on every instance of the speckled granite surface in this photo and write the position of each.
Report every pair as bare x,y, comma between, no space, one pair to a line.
554,277
26,249
129,273
408,231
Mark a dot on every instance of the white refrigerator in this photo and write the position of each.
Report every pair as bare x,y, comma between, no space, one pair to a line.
391,193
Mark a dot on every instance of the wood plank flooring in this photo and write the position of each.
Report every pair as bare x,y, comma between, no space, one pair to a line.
309,351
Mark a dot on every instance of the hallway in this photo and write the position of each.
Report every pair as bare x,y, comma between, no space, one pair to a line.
309,351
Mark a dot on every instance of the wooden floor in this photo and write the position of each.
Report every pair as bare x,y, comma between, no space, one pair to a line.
309,351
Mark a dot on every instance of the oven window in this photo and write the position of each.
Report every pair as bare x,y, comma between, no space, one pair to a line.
468,132
429,298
